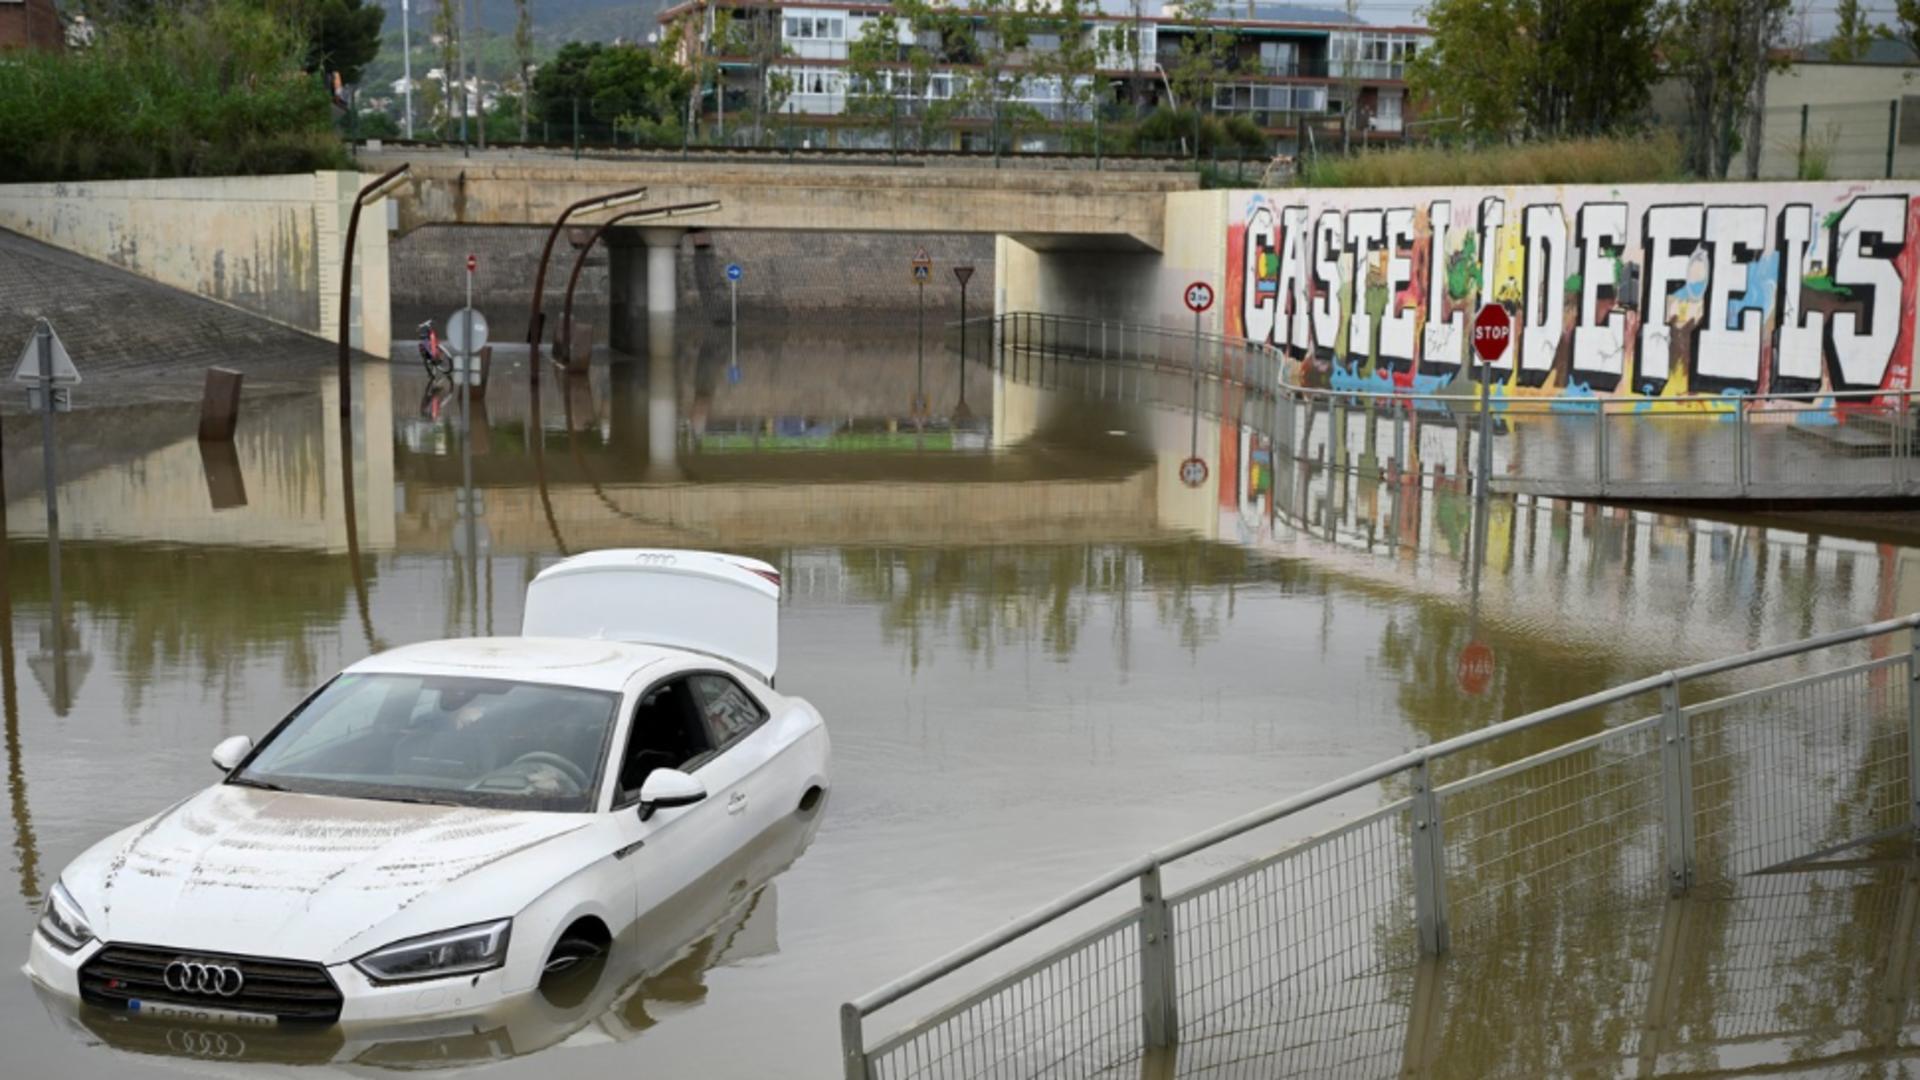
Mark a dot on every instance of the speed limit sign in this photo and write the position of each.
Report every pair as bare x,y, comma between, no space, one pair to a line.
1199,297
1193,472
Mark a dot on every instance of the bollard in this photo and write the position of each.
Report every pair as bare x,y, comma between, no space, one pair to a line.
579,351
472,372
220,404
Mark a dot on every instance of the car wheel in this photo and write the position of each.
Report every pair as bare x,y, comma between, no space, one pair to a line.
574,965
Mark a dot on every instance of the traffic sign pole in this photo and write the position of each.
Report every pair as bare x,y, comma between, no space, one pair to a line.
1198,297
1492,337
466,362
922,270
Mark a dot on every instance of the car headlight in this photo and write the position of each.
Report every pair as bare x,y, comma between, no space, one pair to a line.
463,951
62,922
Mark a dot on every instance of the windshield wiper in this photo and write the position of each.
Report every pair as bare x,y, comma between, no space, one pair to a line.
248,781
416,800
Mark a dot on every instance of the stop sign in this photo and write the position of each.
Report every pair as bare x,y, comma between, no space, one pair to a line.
1475,668
1492,329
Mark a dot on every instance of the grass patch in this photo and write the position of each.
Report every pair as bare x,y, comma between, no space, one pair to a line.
1652,159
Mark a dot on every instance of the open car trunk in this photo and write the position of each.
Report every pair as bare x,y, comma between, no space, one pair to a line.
723,605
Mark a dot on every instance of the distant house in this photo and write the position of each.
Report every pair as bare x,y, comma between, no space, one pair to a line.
31,24
1291,70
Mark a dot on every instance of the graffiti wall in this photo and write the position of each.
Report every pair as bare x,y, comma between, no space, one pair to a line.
1651,291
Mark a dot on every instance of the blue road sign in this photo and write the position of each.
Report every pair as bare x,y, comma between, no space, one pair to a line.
733,271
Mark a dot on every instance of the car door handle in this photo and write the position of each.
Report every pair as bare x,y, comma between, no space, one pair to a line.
737,802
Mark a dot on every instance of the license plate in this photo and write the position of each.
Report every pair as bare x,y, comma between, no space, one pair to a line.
167,1010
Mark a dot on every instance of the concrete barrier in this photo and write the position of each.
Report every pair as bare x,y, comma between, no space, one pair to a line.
269,245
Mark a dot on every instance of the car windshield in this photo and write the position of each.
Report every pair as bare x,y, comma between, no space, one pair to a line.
453,740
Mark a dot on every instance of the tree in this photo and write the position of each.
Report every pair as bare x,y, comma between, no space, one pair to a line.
756,36
446,27
1505,69
342,35
523,53
1721,50
1206,55
1906,24
563,80
1853,34
1075,60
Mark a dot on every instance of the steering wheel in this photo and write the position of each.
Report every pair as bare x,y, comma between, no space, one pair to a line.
548,757
575,779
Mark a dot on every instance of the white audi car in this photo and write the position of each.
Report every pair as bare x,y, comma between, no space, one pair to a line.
440,826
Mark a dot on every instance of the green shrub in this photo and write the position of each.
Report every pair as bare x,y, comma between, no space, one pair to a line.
1573,161
203,89
1171,131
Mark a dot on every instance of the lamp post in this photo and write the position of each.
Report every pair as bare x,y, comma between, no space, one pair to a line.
563,345
534,317
380,188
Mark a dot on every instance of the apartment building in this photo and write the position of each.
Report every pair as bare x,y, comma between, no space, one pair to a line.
1291,70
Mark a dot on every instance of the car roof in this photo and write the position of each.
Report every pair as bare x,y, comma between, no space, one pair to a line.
581,662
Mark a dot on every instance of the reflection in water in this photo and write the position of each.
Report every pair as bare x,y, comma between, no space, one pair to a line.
658,968
25,849
973,621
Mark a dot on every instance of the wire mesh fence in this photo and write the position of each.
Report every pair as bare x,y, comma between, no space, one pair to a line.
1300,960
1077,1008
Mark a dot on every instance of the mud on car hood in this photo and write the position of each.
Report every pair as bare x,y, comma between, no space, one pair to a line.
239,870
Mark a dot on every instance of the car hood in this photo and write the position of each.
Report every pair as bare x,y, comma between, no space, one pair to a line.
240,870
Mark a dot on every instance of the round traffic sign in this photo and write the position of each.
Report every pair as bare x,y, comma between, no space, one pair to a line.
1492,330
472,263
456,339
1193,472
1475,668
1199,297
733,271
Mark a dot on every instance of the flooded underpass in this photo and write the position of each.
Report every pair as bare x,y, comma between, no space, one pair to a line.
1039,654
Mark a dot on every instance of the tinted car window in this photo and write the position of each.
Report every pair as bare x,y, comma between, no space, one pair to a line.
730,711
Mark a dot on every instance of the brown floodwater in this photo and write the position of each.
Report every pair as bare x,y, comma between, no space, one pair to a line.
1038,652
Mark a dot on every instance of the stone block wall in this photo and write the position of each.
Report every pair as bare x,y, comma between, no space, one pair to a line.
786,275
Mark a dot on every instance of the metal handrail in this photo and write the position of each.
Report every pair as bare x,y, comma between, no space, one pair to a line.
854,1012
1273,353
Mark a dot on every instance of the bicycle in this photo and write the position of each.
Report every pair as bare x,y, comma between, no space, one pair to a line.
438,360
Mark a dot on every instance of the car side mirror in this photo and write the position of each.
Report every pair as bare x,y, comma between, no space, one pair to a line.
231,752
668,788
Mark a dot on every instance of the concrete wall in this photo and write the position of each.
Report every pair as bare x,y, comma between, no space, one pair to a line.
270,245
1648,290
1142,288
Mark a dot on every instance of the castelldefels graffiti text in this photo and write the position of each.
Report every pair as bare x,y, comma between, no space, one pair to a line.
1648,291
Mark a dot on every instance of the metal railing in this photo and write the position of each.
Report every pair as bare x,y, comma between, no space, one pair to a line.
1474,835
1846,444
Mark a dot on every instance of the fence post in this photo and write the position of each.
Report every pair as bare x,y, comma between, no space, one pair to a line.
1743,439
1800,169
853,1045
1600,446
1159,974
1676,795
1913,727
1893,131
1429,862
576,129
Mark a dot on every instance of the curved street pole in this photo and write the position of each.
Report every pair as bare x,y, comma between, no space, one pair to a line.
535,318
378,189
563,348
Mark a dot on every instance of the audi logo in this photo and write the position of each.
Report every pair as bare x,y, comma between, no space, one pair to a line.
205,1043
203,977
